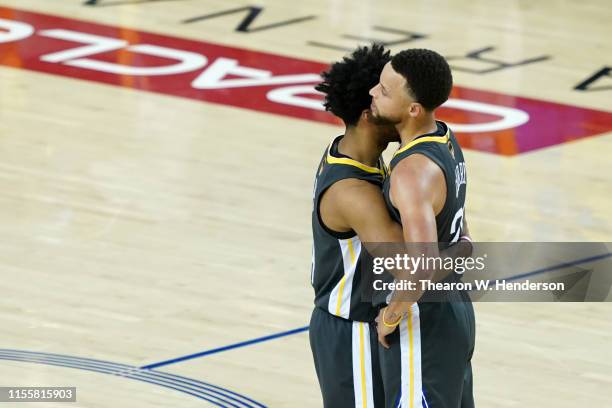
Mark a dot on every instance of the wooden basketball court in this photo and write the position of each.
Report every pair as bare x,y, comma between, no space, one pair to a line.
155,210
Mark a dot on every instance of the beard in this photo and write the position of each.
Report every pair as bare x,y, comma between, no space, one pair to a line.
387,130
379,120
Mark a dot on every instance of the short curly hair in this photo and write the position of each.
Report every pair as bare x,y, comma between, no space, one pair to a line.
347,83
427,74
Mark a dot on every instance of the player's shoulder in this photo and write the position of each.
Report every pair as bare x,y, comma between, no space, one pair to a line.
352,199
353,188
417,167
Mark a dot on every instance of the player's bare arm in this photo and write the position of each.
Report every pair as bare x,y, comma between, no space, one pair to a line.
358,205
418,191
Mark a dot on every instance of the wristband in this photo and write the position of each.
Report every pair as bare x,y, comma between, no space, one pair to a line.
391,325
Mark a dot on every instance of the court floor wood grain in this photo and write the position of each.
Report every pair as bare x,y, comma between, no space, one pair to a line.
138,227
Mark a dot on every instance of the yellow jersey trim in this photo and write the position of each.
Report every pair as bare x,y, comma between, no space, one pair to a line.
340,290
364,393
437,139
343,280
345,160
411,345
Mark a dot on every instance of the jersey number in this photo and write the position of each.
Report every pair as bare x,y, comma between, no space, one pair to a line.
457,225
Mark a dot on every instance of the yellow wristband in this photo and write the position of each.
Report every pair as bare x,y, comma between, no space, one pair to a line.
390,324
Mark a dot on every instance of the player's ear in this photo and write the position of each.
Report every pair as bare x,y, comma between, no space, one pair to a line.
415,109
365,116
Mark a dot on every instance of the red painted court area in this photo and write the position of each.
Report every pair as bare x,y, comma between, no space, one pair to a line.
484,121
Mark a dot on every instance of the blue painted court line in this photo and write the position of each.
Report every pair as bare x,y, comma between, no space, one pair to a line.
225,348
215,395
559,266
305,328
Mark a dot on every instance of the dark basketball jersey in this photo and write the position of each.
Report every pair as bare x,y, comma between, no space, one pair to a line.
438,336
336,258
442,148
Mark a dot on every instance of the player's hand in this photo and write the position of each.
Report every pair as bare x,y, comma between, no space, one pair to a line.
382,329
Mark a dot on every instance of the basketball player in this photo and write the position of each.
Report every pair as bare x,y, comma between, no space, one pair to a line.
349,209
427,362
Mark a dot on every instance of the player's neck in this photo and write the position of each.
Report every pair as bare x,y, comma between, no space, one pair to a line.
412,129
360,145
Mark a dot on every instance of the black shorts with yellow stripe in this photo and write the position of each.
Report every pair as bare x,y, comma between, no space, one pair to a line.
428,363
345,354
